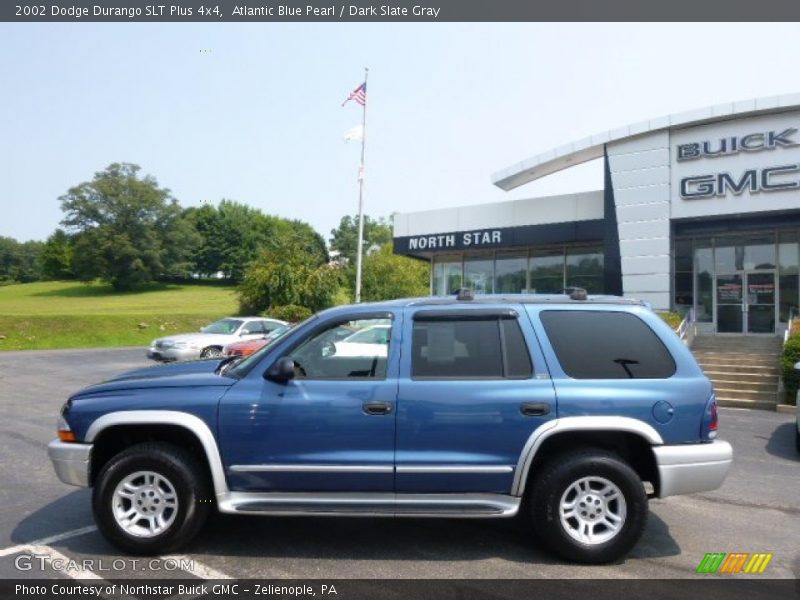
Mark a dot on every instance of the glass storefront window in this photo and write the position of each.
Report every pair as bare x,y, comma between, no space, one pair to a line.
585,269
704,273
446,276
728,255
683,283
437,278
683,256
759,252
547,271
511,273
788,274
479,274
684,296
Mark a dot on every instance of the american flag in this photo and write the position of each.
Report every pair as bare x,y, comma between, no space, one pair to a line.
359,95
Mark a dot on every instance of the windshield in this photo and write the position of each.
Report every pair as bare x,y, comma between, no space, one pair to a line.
240,369
225,326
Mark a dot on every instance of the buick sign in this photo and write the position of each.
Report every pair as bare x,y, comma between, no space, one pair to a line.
752,142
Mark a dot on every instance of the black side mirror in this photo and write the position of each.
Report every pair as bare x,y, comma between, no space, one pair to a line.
281,371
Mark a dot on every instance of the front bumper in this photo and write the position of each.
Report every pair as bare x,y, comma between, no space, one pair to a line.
172,354
71,461
693,467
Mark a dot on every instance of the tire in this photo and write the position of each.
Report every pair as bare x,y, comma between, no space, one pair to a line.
578,477
211,352
166,482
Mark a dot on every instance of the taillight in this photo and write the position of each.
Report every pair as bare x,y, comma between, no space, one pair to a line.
713,425
710,420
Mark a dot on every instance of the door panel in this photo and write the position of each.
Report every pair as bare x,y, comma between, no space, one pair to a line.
314,435
730,310
760,302
464,434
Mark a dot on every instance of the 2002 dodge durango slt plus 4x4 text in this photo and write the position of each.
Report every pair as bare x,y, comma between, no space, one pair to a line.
567,408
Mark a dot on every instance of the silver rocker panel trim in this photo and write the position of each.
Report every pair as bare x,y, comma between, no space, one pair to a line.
476,469
312,468
369,504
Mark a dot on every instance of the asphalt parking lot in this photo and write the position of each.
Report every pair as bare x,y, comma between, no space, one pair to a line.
757,510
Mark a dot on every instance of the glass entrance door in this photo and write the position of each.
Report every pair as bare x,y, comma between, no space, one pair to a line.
759,303
730,311
746,302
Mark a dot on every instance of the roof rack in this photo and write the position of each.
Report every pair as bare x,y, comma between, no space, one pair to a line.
575,293
465,295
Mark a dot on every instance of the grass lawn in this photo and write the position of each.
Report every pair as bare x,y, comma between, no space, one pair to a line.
67,314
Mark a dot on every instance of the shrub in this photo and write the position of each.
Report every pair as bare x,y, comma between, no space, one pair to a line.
292,313
791,378
672,319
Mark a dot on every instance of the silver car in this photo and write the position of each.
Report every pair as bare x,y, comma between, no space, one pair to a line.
208,343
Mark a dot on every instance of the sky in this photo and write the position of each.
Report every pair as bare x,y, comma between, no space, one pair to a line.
252,112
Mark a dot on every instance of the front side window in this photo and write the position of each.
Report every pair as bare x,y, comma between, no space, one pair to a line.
346,349
471,348
253,327
606,345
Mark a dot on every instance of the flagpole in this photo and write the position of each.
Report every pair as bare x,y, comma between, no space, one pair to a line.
361,193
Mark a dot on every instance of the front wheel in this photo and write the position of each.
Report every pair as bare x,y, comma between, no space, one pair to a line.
211,352
151,498
589,506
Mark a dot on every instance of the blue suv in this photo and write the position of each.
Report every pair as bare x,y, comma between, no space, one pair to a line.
567,409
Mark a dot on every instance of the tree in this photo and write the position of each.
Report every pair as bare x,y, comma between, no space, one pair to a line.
20,262
344,239
128,230
233,235
57,256
387,276
287,273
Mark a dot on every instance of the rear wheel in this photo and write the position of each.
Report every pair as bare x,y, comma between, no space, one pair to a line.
588,506
151,498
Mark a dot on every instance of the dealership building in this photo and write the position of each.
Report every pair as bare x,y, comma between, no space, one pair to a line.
699,210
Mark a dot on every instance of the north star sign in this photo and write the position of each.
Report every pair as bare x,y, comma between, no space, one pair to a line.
468,239
768,179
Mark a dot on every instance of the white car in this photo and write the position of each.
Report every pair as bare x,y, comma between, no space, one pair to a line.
372,340
210,340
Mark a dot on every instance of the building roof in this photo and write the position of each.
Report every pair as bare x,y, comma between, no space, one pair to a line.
592,147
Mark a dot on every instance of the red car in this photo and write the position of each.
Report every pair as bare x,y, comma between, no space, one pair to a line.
247,347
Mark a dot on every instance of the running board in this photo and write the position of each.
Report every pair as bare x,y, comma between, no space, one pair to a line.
376,504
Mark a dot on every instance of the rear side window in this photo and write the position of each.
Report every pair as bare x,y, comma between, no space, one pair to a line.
606,345
485,348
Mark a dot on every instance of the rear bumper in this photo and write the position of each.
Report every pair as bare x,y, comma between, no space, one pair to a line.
693,467
71,461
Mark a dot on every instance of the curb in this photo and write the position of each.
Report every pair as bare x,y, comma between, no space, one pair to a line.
785,408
